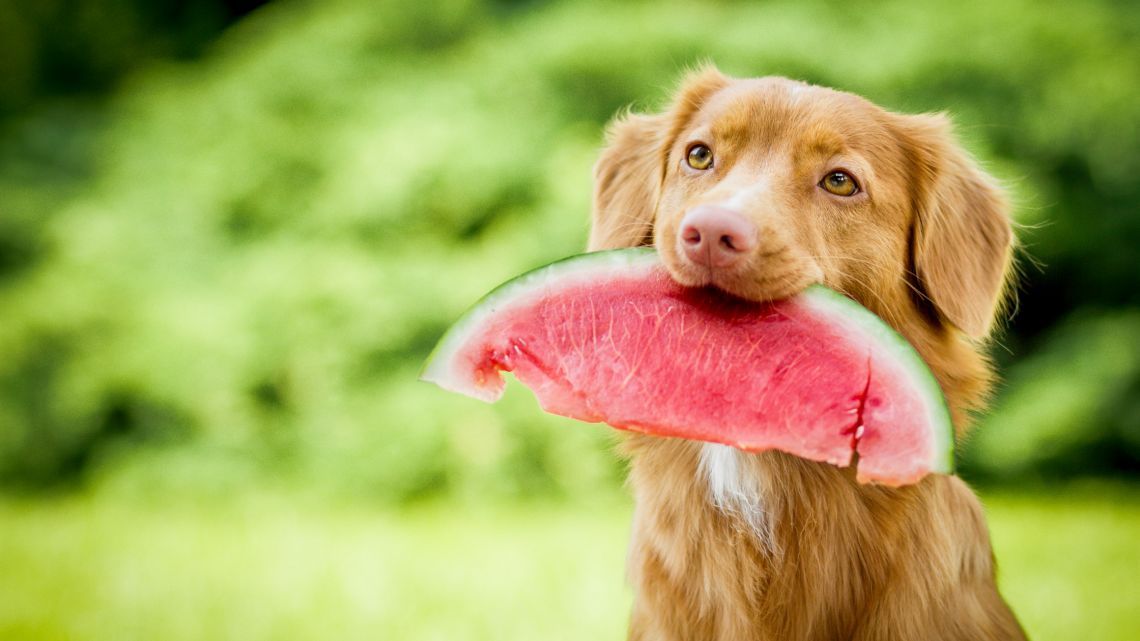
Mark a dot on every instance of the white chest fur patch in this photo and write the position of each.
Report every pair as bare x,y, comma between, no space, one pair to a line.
735,488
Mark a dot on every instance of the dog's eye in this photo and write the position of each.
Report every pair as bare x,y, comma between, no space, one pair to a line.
839,183
700,157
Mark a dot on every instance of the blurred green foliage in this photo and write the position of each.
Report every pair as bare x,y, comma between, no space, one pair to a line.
1080,395
57,48
230,271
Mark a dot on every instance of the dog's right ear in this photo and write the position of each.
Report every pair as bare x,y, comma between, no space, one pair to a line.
627,183
631,171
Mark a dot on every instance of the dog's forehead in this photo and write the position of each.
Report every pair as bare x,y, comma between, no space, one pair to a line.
771,110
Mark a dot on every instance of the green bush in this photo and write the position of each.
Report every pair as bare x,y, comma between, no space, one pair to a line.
270,239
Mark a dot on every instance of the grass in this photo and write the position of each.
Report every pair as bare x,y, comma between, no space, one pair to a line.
1068,562
281,568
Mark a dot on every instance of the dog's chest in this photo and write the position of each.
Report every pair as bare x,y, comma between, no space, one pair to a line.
735,488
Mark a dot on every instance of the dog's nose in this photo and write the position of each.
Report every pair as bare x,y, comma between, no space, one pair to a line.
716,236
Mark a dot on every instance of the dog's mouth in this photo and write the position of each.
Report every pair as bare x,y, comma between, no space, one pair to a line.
763,277
718,245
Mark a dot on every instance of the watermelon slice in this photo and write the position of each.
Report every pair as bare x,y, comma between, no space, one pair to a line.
610,337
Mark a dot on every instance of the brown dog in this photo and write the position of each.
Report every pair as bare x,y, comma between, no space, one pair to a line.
762,187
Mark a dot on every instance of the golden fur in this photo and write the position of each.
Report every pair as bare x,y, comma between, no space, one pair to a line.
925,244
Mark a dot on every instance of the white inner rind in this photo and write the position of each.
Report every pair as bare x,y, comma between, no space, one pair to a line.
884,336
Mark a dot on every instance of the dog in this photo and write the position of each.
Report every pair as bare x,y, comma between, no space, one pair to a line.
761,187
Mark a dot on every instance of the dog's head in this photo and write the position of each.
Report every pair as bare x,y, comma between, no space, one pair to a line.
762,187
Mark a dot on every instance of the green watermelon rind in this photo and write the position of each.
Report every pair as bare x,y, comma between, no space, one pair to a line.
904,354
437,367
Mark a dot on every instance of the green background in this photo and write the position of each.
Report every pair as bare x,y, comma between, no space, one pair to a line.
230,234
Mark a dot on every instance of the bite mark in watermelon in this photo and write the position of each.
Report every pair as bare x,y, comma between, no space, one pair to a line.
610,337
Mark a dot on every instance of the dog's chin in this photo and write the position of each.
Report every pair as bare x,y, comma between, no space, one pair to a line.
745,281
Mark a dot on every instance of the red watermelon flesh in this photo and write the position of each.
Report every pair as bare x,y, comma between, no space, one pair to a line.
610,337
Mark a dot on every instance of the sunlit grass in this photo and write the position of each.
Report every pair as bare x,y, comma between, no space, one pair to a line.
1069,562
286,568
267,569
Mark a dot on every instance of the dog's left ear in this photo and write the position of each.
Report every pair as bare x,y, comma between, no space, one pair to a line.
962,239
